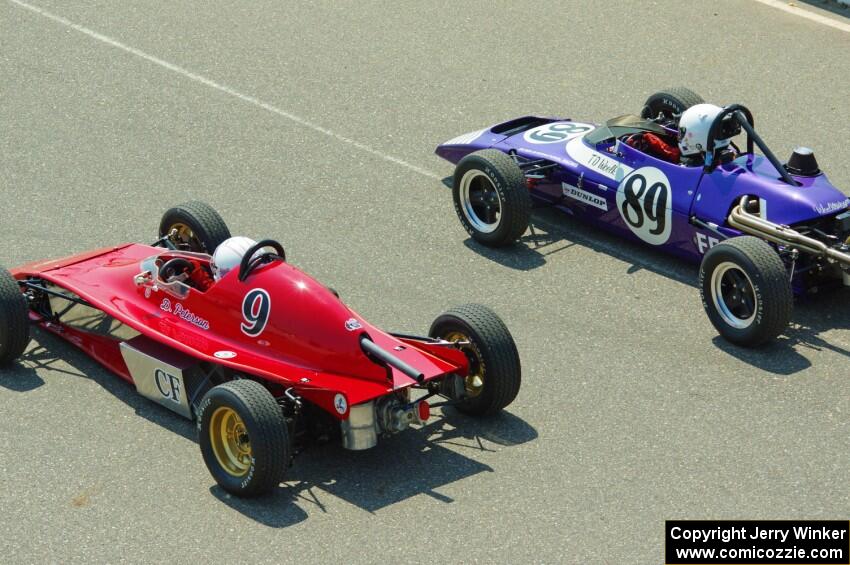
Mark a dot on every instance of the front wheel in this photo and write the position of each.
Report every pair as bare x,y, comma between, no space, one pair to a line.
491,198
494,375
243,437
746,291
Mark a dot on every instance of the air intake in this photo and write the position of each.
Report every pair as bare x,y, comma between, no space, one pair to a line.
803,163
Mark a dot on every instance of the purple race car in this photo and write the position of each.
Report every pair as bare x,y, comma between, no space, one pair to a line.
673,178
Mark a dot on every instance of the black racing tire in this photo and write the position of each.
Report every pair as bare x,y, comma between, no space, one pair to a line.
671,102
199,227
492,353
746,291
261,424
14,319
483,181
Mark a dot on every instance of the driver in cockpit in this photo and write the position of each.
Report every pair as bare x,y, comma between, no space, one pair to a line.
691,146
694,128
226,257
229,254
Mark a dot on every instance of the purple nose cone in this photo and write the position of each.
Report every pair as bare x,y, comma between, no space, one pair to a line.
803,163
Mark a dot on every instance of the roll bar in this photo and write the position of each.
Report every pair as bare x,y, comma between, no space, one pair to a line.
744,117
249,262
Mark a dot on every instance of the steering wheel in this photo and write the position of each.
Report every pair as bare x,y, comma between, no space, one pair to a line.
249,262
174,267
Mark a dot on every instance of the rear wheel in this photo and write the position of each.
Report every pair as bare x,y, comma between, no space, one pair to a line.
745,290
669,104
495,375
194,226
491,198
14,319
243,437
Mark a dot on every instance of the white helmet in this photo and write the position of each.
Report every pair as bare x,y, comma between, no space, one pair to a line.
694,126
228,255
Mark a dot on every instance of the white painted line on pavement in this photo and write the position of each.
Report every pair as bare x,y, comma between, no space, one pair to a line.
612,250
227,90
815,17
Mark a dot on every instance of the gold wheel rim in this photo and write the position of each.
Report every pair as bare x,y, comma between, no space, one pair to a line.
474,380
230,442
183,235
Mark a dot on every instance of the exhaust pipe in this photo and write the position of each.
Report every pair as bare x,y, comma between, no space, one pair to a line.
751,224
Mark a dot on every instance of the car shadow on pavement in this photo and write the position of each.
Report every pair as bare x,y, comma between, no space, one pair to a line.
528,253
279,509
56,355
812,316
23,377
518,256
553,231
778,357
416,461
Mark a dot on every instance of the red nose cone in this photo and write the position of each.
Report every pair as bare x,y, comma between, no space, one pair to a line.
424,410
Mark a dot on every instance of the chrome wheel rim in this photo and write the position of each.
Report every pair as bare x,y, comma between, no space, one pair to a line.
733,295
480,202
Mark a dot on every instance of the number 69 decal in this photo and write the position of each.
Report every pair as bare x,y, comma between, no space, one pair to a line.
555,132
645,204
256,307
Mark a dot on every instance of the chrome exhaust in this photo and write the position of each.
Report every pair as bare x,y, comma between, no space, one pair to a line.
746,222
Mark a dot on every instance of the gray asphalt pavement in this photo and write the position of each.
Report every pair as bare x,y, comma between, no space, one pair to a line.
632,410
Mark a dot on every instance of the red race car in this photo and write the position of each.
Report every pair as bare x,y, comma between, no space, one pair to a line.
225,331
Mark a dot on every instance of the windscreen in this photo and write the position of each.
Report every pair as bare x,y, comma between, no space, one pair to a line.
623,125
